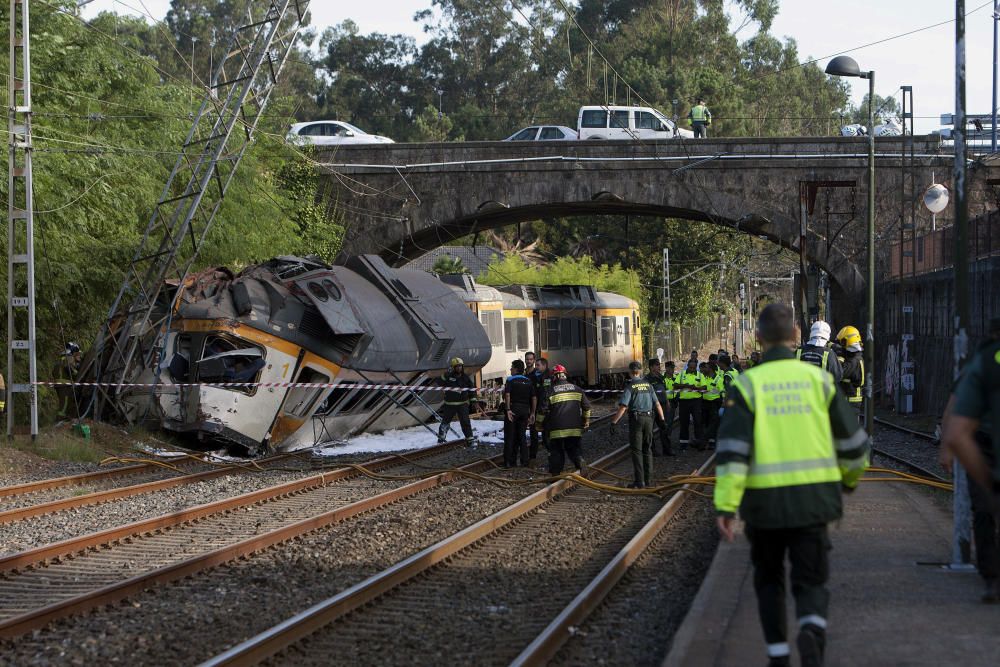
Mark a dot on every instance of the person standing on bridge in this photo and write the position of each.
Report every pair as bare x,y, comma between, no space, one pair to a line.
700,119
788,444
817,353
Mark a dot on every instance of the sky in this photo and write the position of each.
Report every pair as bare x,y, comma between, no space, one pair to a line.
924,60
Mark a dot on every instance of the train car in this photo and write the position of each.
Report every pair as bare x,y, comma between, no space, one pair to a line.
295,320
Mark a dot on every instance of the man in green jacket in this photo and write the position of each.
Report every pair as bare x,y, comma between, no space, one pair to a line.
788,444
700,119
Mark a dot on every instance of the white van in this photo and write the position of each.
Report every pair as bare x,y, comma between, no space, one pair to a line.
608,122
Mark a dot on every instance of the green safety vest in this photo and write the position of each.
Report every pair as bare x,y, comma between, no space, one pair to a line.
793,440
700,114
713,388
732,374
696,379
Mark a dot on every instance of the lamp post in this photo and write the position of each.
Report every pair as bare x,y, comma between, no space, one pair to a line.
847,66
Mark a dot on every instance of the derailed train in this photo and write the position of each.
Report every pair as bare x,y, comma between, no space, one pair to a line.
294,320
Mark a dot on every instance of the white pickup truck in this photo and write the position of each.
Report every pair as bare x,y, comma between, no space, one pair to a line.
614,122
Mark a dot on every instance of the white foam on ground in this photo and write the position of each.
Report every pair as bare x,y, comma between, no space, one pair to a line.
415,437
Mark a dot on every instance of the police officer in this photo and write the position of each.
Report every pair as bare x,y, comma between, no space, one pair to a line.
540,377
971,434
568,418
662,385
792,442
700,119
459,397
754,359
65,373
729,373
711,400
520,401
816,352
689,386
639,400
850,355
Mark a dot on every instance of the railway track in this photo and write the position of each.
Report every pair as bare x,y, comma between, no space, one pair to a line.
60,579
434,588
920,468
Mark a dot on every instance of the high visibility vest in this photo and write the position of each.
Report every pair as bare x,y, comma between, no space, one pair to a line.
732,374
700,114
713,387
696,379
793,440
856,396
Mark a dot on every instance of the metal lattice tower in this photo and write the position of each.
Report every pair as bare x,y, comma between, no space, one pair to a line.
20,222
222,130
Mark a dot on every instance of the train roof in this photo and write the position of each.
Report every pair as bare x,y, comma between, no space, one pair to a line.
468,289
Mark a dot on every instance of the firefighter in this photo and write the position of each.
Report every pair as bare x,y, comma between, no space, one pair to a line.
568,418
700,119
459,398
65,373
788,444
520,402
689,386
850,355
711,400
817,352
662,385
542,379
640,401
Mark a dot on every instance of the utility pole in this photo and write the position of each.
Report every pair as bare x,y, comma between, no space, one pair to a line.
996,66
666,301
20,218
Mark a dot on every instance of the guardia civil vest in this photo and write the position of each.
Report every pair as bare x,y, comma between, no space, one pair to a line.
732,374
695,379
713,387
793,441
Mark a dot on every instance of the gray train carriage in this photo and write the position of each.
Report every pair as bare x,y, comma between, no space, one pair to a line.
294,320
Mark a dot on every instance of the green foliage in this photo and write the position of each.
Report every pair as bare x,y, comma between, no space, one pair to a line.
446,264
431,125
565,271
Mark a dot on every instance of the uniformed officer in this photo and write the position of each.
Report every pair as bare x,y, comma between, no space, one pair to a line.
816,352
542,379
459,398
788,444
711,400
689,386
66,372
850,355
639,400
700,119
662,385
971,434
520,401
568,418
729,374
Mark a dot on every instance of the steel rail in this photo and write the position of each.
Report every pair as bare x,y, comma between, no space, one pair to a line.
72,480
919,434
286,633
916,467
74,545
97,497
559,631
39,617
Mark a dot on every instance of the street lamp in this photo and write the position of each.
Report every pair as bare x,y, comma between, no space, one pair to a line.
847,66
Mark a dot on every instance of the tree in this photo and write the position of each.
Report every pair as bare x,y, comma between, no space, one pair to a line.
446,264
431,126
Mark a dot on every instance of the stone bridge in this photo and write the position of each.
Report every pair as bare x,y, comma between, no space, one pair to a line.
400,200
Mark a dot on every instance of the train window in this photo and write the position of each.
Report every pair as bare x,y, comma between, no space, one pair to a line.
626,330
410,396
566,336
578,335
332,289
522,333
358,396
510,344
318,292
554,342
300,400
493,324
543,335
228,359
333,400
607,331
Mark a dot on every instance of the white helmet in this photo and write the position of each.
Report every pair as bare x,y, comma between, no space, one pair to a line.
819,334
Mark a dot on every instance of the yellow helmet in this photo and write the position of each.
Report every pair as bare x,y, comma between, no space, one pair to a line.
849,336
457,361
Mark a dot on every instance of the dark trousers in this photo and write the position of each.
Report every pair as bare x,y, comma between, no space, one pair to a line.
710,417
984,521
559,449
664,426
448,412
640,440
514,443
535,435
808,552
700,129
690,410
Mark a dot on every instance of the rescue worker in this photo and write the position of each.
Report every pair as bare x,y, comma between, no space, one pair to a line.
788,444
689,385
662,385
729,374
711,400
817,352
971,435
852,364
459,398
700,119
737,366
65,373
639,400
520,402
568,418
540,377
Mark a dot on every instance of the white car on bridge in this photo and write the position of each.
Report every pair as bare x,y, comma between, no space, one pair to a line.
544,133
332,133
614,122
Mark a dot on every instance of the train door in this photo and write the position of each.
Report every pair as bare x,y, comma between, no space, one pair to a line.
593,371
301,402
